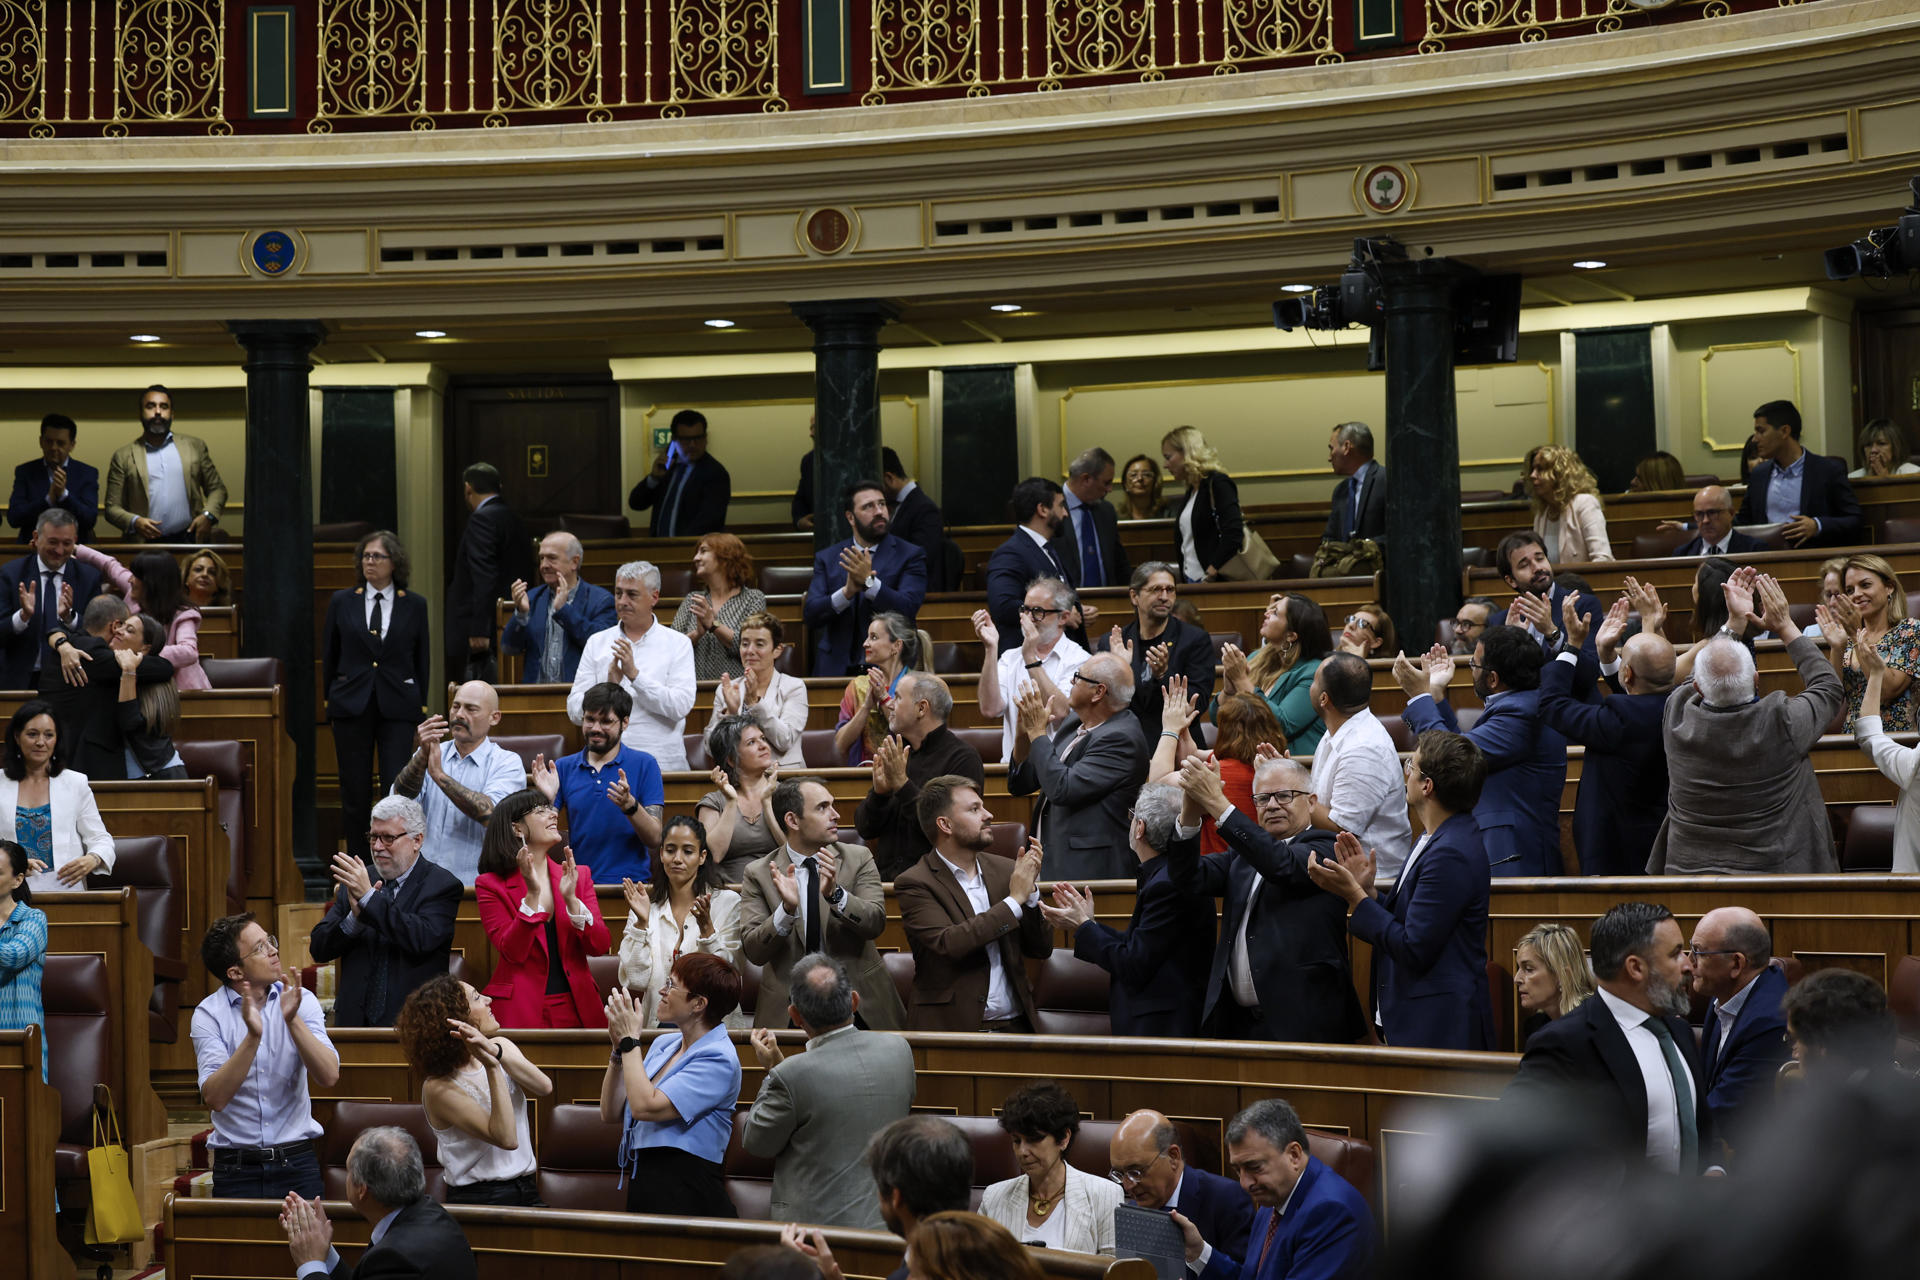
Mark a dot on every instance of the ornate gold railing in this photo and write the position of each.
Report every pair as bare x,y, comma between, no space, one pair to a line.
113,63
1531,20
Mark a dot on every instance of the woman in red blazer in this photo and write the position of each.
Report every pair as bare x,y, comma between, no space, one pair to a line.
542,916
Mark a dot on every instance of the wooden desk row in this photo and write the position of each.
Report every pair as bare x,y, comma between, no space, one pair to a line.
105,922
29,1131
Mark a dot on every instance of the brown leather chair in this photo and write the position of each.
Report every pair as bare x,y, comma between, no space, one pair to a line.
342,531
464,969
675,581
816,746
230,765
1009,838
605,970
1221,639
1072,997
900,969
749,1177
592,525
79,1022
1661,542
244,673
785,579
697,757
955,657
1476,558
1900,529
352,1117
1700,480
157,867
578,1160
992,1152
1396,727
1869,845
1903,995
1802,615
749,984
792,659
1351,1158
528,745
1301,565
983,739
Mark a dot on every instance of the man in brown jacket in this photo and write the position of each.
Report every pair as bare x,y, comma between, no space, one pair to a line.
812,895
971,917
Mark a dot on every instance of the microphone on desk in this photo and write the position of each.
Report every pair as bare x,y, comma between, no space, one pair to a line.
1504,861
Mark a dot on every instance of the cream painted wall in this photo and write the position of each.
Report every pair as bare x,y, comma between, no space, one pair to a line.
1721,370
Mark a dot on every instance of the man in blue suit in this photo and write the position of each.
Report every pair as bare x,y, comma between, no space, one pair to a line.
1159,965
42,591
1519,809
1623,785
1540,609
871,572
1311,1224
1040,514
551,622
1429,935
1805,492
1745,1040
1154,1173
55,479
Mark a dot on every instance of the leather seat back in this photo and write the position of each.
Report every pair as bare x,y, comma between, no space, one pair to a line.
529,745
578,1154
244,673
230,765
1351,1158
352,1118
1072,998
816,747
157,867
900,969
590,525
785,579
74,991
749,1177
1869,844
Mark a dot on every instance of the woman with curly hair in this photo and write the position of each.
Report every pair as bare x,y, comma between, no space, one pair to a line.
1566,507
952,1245
475,1093
721,599
1293,639
1049,1202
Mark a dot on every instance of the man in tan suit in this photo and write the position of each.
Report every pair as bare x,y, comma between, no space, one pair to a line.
971,917
163,487
810,895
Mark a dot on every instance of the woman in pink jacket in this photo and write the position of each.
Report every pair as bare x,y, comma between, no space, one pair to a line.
153,587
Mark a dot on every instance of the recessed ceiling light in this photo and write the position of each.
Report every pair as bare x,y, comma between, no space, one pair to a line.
1004,306
429,333
1589,264
143,337
719,324
1296,288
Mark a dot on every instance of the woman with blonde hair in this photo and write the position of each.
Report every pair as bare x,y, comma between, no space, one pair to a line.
1551,976
1566,507
1656,472
718,604
1873,605
1210,525
207,580
892,648
1883,451
774,700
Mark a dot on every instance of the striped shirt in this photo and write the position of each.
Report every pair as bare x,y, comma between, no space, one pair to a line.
23,953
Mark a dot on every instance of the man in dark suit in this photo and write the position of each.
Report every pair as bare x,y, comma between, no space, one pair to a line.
688,490
1623,785
1713,517
1429,933
391,928
1159,964
871,572
44,590
1806,492
1040,513
55,479
552,622
1280,967
87,713
1157,645
971,917
1089,543
1359,508
1087,771
1540,609
920,747
803,492
491,556
1746,1031
1519,809
915,519
1629,1043
1154,1173
387,1185
1312,1223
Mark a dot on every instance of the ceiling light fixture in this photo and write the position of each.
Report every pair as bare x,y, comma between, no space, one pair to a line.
718,324
144,337
429,333
1589,264
1004,306
1296,288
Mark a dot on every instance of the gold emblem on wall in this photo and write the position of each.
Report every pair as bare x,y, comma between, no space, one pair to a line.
536,462
829,231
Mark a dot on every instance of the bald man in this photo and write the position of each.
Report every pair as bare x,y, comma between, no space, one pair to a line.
1713,517
1745,1037
1623,785
1087,771
468,774
1154,1174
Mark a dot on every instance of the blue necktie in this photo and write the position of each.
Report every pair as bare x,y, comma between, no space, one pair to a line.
1090,568
1353,517
670,507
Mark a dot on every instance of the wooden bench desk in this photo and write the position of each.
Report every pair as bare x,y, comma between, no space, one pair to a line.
105,922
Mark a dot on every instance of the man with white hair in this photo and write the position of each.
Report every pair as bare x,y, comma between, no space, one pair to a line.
1046,657
1087,771
1744,797
386,1185
553,620
651,661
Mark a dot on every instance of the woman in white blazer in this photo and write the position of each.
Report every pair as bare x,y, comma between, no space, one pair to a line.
50,809
1050,1203
1566,507
776,701
686,908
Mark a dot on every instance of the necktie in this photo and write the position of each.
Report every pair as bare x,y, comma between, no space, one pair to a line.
376,1009
1273,1229
1353,512
50,593
374,624
670,508
1073,745
1682,1093
1091,570
1714,550
1059,570
810,898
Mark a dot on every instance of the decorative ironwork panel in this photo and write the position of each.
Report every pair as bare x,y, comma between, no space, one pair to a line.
925,44
1099,38
1530,19
372,59
724,51
170,61
22,60
547,54
1257,29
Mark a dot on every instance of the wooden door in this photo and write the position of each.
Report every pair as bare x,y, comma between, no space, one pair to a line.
555,440
1887,369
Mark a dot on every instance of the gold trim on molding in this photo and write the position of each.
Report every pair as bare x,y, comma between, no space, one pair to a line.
1706,417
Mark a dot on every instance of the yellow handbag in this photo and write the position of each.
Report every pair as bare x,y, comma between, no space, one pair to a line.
113,1217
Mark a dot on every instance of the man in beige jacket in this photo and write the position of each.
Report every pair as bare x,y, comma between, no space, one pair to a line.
163,487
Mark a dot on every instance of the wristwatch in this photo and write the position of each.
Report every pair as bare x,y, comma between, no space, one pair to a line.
626,1046
632,809
873,582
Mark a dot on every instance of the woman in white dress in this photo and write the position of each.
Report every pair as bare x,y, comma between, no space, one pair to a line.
684,909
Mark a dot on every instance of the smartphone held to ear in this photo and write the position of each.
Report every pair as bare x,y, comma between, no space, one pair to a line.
675,454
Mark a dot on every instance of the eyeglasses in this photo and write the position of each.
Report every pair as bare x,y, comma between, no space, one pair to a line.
1261,799
1128,1177
267,946
1698,514
1089,680
1413,768
1467,624
375,555
1697,953
1360,620
1038,611
382,840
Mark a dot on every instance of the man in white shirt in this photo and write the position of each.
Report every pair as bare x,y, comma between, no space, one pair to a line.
651,661
1046,657
1358,784
470,774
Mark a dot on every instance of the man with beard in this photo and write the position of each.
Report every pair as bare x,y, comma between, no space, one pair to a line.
1046,657
163,486
391,928
1158,645
921,747
921,1165
470,774
1469,620
1626,1055
1039,510
612,794
1541,602
866,574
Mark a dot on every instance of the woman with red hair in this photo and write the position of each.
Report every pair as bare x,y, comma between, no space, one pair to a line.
721,599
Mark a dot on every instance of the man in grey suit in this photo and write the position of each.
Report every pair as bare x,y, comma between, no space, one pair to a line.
816,1112
1087,772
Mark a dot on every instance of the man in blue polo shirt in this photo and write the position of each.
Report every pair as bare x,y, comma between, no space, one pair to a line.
612,794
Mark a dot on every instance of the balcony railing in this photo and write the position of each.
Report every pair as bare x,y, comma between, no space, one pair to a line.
74,68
